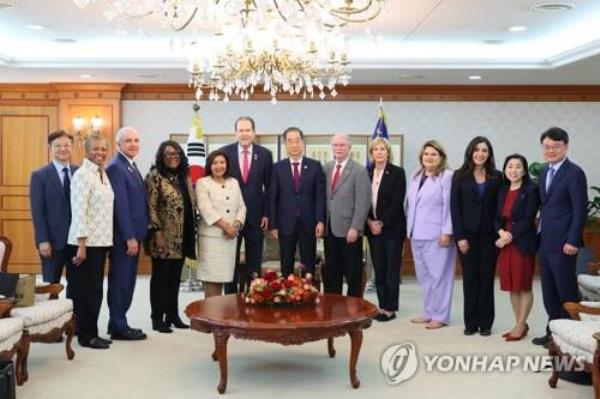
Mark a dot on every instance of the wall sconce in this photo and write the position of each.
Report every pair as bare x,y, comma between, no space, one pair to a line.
79,126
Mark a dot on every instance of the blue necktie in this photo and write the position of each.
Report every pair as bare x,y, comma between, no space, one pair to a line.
549,177
67,184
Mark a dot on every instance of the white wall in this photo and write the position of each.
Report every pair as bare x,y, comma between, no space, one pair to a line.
511,126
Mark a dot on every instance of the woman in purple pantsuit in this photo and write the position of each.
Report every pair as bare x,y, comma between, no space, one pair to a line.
429,228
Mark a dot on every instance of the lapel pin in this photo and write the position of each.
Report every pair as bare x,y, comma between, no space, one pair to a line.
305,167
129,169
255,157
387,172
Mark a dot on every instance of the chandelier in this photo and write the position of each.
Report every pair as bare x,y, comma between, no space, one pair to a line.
287,46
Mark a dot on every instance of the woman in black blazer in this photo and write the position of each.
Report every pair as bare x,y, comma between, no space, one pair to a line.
518,203
386,226
473,201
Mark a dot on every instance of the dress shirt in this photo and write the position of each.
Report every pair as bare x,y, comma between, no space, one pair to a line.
241,157
299,161
59,169
92,204
343,163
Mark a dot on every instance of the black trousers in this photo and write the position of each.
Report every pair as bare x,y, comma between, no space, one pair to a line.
164,289
342,260
253,246
88,280
306,240
52,268
559,282
386,256
479,269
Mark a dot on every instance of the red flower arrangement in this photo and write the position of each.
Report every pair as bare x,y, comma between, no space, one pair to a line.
274,290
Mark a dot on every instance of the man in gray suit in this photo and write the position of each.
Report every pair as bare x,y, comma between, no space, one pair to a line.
348,203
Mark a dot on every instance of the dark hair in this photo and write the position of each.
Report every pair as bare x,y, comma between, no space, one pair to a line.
211,159
58,134
292,129
468,165
526,177
556,134
159,161
245,118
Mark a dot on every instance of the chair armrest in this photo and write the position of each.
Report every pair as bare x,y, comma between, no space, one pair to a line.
574,308
5,306
52,289
594,267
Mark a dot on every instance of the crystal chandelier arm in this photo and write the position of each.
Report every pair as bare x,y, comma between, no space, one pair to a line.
351,13
186,23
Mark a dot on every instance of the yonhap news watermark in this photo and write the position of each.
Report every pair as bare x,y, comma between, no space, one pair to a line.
401,362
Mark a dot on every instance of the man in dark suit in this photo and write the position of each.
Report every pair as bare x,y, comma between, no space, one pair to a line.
563,196
131,225
49,196
251,165
297,203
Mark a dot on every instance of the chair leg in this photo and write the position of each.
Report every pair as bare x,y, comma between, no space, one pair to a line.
596,375
553,352
22,354
70,330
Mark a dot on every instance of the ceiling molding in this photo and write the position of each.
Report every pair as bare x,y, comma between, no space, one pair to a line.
577,54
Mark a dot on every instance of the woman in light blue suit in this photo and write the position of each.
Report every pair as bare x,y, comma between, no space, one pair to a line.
429,228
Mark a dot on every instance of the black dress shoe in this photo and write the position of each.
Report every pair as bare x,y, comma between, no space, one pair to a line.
177,323
93,343
380,316
468,331
543,340
106,341
485,332
161,327
128,335
384,317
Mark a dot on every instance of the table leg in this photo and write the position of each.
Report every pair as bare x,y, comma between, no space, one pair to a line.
330,348
356,341
221,354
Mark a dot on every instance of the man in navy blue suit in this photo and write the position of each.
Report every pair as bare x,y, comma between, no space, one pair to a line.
297,203
563,196
131,225
50,199
251,165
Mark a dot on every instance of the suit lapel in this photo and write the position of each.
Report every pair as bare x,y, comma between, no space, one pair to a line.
304,171
543,174
562,171
55,179
256,158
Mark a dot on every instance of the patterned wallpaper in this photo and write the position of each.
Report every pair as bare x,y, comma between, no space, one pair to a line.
511,126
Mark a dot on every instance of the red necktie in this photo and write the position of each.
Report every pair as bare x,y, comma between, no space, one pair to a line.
245,166
336,176
296,176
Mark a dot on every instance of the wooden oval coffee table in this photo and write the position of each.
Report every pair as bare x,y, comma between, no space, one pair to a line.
334,316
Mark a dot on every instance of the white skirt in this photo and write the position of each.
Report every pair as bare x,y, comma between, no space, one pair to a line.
216,259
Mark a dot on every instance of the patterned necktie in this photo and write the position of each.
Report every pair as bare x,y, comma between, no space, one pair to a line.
296,176
245,165
336,176
549,177
67,184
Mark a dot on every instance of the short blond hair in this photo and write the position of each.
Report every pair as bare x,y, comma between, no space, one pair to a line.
385,143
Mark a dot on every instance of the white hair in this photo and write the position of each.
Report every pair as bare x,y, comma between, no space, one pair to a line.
345,136
124,130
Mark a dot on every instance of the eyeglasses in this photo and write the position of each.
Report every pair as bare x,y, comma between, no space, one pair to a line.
171,155
553,147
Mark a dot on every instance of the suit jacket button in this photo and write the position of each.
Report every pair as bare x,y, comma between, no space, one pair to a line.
227,211
226,198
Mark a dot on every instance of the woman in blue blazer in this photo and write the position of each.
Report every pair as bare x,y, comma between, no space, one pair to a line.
518,203
473,202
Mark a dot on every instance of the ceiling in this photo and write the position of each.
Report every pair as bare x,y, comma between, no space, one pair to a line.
412,42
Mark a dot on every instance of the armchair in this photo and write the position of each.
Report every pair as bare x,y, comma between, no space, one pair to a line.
13,340
46,320
577,340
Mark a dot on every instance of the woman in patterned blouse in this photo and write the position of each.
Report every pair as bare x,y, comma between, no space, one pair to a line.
171,208
91,231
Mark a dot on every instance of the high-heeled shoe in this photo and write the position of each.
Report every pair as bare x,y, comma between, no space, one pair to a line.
512,338
177,323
